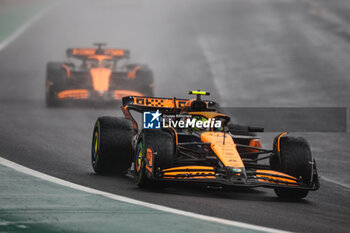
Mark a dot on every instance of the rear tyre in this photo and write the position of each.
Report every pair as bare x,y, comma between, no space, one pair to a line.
294,159
55,80
142,177
144,80
111,151
160,143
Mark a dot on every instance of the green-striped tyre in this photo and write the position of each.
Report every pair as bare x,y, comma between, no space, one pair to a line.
111,151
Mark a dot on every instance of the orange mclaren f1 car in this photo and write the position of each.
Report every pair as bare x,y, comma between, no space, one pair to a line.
96,74
216,154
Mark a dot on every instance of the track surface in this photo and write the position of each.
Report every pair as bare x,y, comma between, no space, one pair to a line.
263,53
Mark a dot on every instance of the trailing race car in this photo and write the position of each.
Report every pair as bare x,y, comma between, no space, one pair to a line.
215,153
103,74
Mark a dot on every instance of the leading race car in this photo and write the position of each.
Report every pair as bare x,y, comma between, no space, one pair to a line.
209,150
96,75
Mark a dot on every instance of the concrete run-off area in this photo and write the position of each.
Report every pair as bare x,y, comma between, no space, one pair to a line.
31,204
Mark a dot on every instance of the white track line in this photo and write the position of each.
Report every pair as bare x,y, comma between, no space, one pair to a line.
24,27
335,182
55,180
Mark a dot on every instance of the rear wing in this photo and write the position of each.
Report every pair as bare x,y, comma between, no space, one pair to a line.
164,105
142,104
82,53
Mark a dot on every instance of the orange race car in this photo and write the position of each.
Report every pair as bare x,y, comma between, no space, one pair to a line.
96,74
190,140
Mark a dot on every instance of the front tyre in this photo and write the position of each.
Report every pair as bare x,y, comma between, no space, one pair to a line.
155,151
55,82
111,150
144,80
294,158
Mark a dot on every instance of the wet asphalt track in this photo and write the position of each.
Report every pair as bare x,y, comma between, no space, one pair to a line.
255,53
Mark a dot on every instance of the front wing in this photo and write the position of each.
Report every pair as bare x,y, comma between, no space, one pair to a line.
253,178
86,94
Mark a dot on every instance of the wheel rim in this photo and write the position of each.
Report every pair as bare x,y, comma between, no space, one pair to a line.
95,144
139,163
